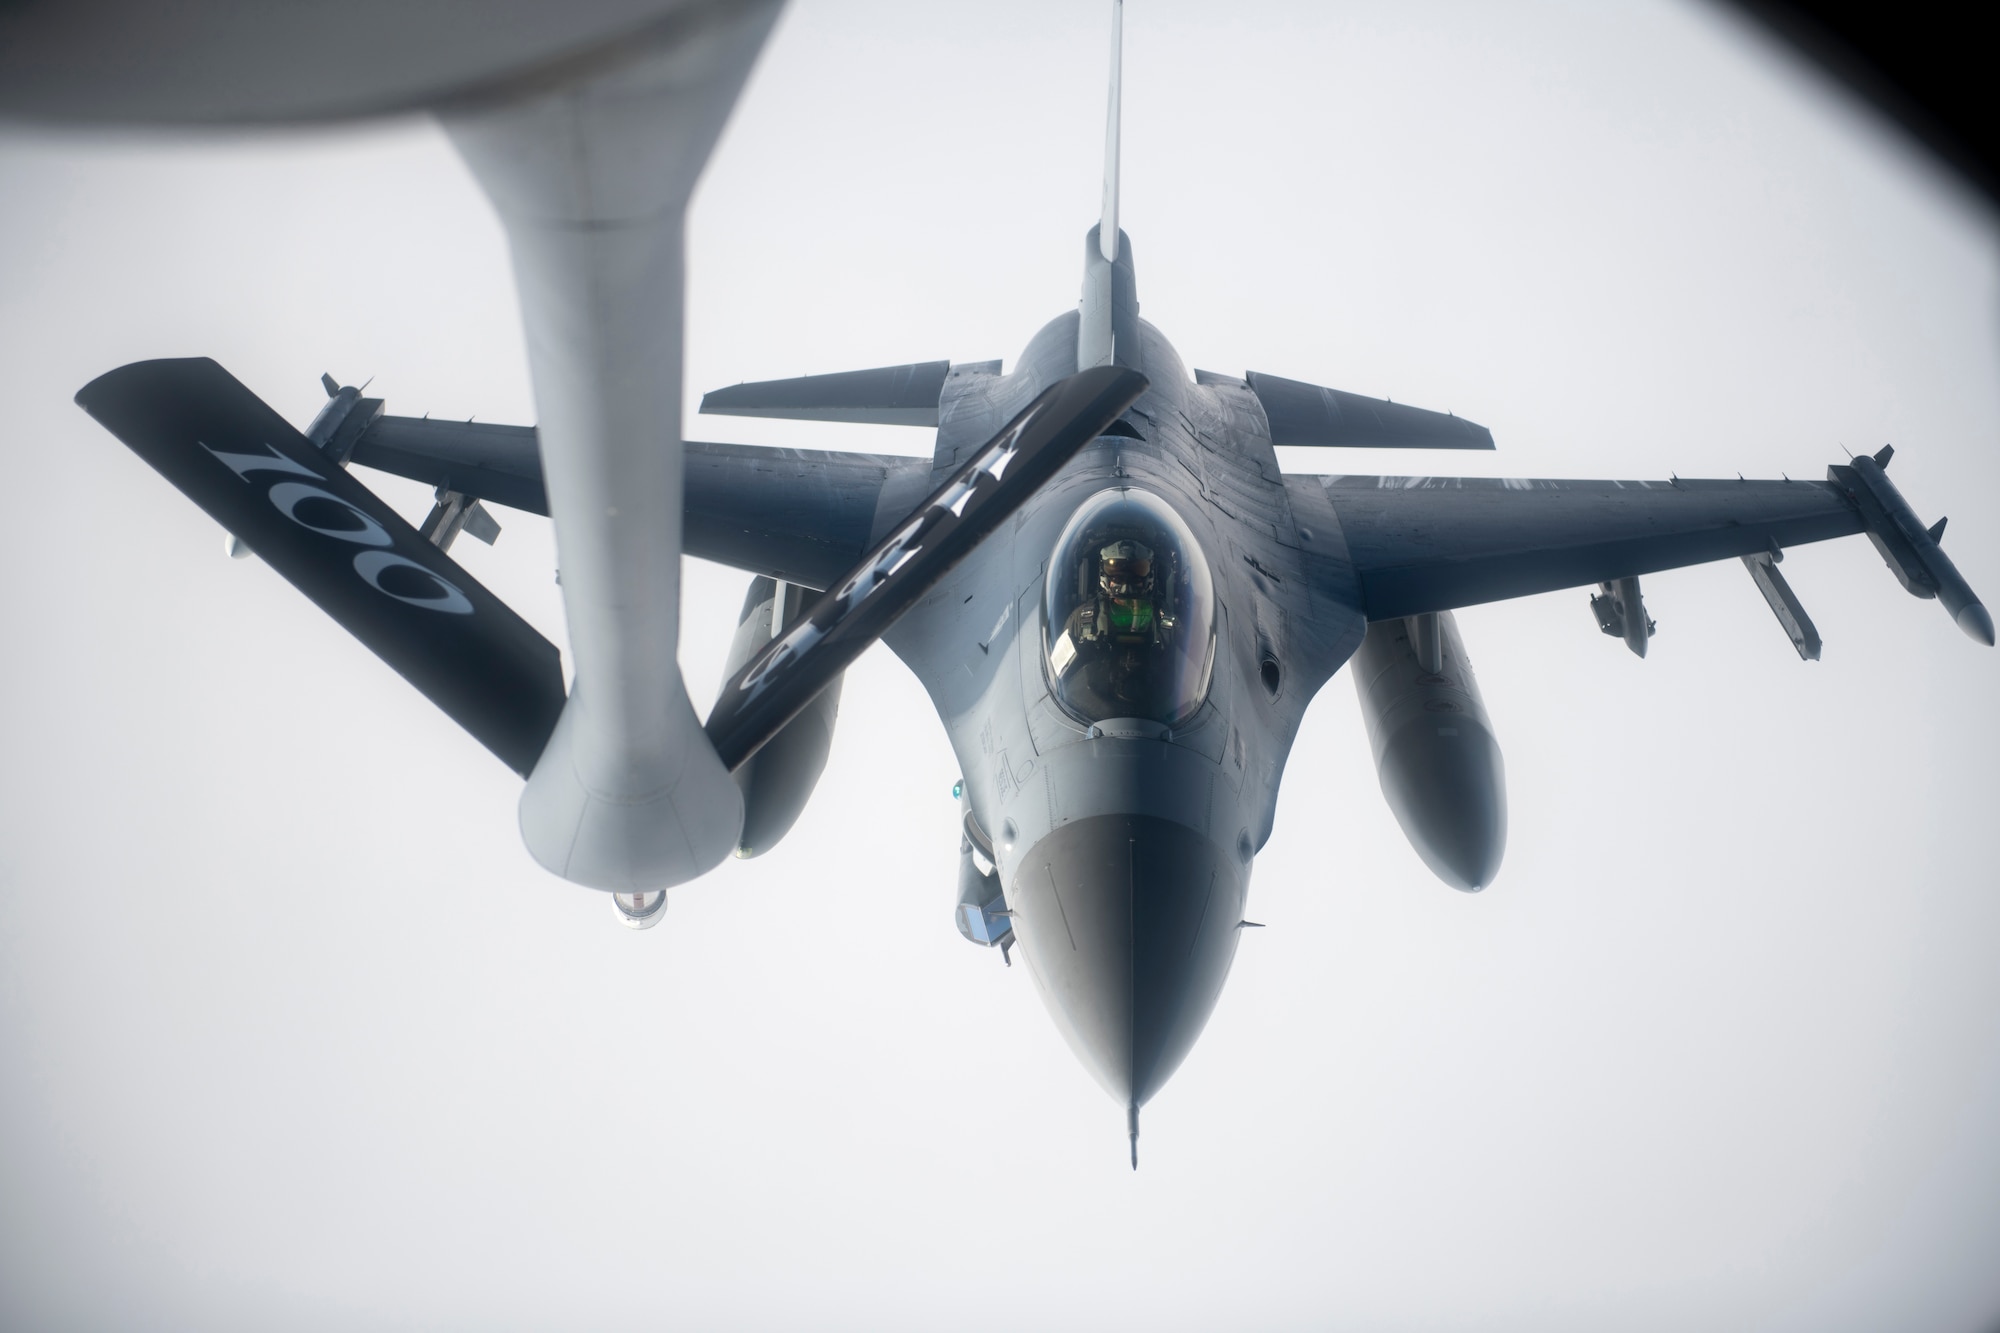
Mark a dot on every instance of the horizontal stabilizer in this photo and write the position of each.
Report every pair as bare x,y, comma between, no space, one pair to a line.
336,542
1000,476
1306,414
887,396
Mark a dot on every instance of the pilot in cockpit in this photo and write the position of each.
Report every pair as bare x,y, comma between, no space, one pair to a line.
1127,609
1128,612
1121,626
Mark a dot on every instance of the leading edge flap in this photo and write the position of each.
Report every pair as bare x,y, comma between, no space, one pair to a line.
340,545
1307,414
884,396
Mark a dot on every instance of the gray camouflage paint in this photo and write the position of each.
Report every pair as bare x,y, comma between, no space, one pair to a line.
1125,848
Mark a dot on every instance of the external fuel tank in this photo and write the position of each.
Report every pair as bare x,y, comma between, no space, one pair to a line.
778,780
1440,767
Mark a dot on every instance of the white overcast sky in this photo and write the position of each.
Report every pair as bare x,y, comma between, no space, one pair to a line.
293,1034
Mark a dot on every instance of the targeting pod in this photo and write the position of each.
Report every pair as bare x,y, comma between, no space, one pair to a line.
779,779
1440,767
1621,613
981,913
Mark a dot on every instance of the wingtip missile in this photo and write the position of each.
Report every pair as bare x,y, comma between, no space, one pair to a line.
1976,623
1909,548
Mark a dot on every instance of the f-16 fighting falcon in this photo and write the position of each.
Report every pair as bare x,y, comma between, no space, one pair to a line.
1119,604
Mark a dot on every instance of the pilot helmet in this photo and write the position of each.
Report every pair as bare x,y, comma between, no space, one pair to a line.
1125,568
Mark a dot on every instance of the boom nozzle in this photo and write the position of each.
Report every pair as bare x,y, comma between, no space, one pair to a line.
641,910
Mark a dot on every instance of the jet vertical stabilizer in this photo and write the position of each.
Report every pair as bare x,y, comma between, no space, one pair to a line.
1107,228
1108,334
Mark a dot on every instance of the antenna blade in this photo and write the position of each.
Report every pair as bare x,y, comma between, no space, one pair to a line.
1107,231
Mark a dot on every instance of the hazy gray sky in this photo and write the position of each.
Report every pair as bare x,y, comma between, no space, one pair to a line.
294,1034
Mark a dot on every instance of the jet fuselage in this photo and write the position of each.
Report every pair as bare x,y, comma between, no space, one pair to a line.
1124,843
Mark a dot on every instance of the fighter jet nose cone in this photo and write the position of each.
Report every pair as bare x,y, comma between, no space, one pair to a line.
1129,926
1976,623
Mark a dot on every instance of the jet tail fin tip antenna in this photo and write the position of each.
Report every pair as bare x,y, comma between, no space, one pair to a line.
1108,324
1107,232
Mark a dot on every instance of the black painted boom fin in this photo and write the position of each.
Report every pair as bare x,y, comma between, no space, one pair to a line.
338,543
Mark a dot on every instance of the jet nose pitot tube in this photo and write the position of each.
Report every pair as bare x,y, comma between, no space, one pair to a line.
1129,924
1440,767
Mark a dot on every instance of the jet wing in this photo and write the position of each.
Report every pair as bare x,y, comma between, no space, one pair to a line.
1434,543
802,515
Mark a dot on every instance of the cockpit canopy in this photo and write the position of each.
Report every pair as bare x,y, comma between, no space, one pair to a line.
1129,616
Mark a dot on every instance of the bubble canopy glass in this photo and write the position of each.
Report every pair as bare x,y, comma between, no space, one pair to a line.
1129,615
